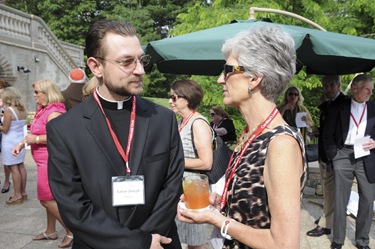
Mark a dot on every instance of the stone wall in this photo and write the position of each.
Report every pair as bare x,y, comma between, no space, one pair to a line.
29,51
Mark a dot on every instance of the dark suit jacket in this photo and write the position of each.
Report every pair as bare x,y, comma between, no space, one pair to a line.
322,121
338,121
72,95
82,160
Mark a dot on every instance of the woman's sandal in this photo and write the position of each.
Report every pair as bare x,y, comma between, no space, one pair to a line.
12,201
69,244
44,236
5,190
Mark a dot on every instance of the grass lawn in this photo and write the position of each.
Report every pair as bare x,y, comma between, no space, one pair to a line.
160,101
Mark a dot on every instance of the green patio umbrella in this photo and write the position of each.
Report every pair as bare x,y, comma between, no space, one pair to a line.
199,53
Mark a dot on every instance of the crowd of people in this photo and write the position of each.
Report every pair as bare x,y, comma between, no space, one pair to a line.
125,191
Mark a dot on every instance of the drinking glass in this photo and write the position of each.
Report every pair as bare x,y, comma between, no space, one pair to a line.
196,191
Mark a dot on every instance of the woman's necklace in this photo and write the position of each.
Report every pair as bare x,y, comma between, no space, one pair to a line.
185,121
242,140
245,136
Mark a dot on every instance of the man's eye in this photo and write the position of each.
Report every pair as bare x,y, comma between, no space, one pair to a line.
127,62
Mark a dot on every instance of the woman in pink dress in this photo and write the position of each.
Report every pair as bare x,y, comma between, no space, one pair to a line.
50,105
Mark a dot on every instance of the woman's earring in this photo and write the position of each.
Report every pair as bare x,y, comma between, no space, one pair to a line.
250,90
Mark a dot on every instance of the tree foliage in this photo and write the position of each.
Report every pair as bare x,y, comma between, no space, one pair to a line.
158,19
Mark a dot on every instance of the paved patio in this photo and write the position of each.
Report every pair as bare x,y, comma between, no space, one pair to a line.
19,223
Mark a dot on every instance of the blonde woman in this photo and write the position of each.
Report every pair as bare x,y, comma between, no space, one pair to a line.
89,87
50,105
291,105
12,129
6,185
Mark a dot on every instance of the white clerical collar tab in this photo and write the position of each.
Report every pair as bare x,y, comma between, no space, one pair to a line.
119,105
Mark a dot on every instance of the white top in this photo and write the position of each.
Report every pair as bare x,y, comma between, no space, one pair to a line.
354,132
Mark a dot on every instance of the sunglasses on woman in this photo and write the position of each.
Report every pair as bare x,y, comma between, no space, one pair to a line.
293,94
232,69
174,98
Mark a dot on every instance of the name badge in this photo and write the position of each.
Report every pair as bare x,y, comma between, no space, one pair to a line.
128,190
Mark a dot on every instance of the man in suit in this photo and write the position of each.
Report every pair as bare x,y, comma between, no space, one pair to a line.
116,160
332,94
352,120
73,93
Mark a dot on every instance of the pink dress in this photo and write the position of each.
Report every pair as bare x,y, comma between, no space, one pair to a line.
39,151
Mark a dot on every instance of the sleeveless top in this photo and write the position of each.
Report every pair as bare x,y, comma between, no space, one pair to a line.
247,196
185,135
38,125
191,234
10,139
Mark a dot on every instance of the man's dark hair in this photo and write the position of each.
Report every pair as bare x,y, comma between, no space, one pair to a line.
332,78
98,30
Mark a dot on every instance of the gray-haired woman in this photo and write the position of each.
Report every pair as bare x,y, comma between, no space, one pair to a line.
260,204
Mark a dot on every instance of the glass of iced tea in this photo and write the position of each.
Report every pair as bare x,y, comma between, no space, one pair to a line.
196,191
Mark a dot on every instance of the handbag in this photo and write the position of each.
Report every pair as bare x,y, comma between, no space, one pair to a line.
221,157
312,152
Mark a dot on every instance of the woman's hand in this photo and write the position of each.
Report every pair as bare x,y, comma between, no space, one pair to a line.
215,200
211,216
17,149
30,139
289,106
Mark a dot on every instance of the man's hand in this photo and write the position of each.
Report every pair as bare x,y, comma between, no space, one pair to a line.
157,240
369,145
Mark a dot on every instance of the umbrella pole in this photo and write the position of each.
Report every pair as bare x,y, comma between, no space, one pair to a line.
283,12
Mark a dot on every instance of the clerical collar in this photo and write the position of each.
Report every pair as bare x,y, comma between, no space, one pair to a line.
357,107
114,105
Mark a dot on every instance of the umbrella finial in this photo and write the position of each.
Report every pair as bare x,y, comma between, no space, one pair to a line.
252,12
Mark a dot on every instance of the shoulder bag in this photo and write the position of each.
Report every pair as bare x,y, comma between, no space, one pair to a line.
221,157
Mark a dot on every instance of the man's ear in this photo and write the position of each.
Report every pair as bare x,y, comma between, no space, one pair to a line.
95,66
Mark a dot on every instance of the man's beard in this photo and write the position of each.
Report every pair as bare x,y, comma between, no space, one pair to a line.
124,90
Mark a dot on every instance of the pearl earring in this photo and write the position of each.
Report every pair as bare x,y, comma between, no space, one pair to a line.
250,90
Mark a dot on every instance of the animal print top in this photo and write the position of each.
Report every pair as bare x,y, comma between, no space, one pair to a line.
247,196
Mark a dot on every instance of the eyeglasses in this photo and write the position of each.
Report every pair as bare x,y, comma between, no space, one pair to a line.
293,94
129,64
36,92
212,114
174,98
232,69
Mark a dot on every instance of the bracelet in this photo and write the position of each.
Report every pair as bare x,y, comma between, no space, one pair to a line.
37,140
21,144
224,230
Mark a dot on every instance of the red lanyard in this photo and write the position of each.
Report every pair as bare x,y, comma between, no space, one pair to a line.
185,121
255,134
360,120
124,156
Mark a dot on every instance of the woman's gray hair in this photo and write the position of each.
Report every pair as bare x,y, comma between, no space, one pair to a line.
268,52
